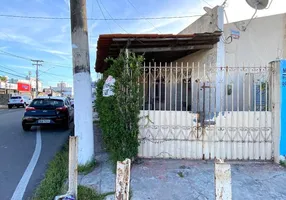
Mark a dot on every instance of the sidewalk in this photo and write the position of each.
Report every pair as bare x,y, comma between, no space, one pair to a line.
186,179
3,107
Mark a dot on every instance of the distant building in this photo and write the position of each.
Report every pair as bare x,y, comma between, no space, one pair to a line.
64,89
50,92
23,86
32,84
63,84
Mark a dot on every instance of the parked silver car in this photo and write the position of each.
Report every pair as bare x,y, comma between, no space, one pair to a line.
19,101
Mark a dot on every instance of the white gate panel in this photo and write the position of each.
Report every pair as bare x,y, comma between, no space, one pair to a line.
204,112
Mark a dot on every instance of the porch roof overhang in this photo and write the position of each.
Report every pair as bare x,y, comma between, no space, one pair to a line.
155,47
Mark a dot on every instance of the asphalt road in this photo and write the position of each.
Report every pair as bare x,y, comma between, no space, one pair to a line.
17,150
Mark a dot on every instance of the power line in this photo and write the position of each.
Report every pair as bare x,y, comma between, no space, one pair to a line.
100,19
14,55
12,70
59,65
48,73
129,1
119,24
30,59
113,18
103,15
269,4
207,3
46,70
13,74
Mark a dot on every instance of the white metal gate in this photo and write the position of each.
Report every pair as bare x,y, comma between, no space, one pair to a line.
204,112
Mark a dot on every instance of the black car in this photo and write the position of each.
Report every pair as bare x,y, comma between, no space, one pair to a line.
48,111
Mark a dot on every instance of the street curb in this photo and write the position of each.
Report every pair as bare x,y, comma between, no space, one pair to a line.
3,106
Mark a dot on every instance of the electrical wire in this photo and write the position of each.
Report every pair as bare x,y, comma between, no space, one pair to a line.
119,24
103,15
250,20
224,4
100,19
46,70
12,70
58,65
15,75
29,59
269,4
113,18
14,55
207,3
129,1
48,73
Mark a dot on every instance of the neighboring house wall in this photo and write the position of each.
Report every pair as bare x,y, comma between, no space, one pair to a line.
209,22
263,41
4,98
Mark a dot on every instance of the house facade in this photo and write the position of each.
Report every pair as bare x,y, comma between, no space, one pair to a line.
194,105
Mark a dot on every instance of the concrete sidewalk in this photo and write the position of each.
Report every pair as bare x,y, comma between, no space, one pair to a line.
186,180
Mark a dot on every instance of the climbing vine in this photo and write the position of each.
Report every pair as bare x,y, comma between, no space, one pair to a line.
119,114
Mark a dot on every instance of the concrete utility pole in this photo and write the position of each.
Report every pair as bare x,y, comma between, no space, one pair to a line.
82,82
37,63
31,91
61,88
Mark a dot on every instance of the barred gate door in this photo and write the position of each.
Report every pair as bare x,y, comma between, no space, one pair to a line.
193,111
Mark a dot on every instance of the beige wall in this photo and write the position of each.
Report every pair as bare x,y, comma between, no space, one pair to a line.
209,22
263,41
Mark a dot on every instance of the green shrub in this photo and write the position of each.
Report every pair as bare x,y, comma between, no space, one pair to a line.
119,114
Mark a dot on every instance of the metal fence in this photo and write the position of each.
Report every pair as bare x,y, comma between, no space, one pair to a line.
203,111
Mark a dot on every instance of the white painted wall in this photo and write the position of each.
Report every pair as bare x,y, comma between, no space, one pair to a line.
263,41
206,23
209,22
235,135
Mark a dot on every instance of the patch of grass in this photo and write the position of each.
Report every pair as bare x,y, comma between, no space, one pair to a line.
180,174
283,163
86,193
56,175
85,169
183,167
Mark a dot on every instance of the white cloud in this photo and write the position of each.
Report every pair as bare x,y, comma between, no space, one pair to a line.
21,67
236,10
67,2
9,36
64,28
58,39
3,47
56,52
92,27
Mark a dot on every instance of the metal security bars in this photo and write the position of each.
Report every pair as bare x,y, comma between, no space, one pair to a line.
193,110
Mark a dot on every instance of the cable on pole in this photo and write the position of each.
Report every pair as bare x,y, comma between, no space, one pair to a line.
100,19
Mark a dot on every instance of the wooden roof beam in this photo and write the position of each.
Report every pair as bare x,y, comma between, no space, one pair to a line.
177,48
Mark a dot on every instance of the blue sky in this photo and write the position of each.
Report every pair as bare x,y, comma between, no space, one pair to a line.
50,40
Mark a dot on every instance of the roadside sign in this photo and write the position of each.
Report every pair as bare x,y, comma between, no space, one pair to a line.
108,87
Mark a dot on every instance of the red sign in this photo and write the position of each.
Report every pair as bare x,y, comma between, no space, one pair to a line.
24,87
